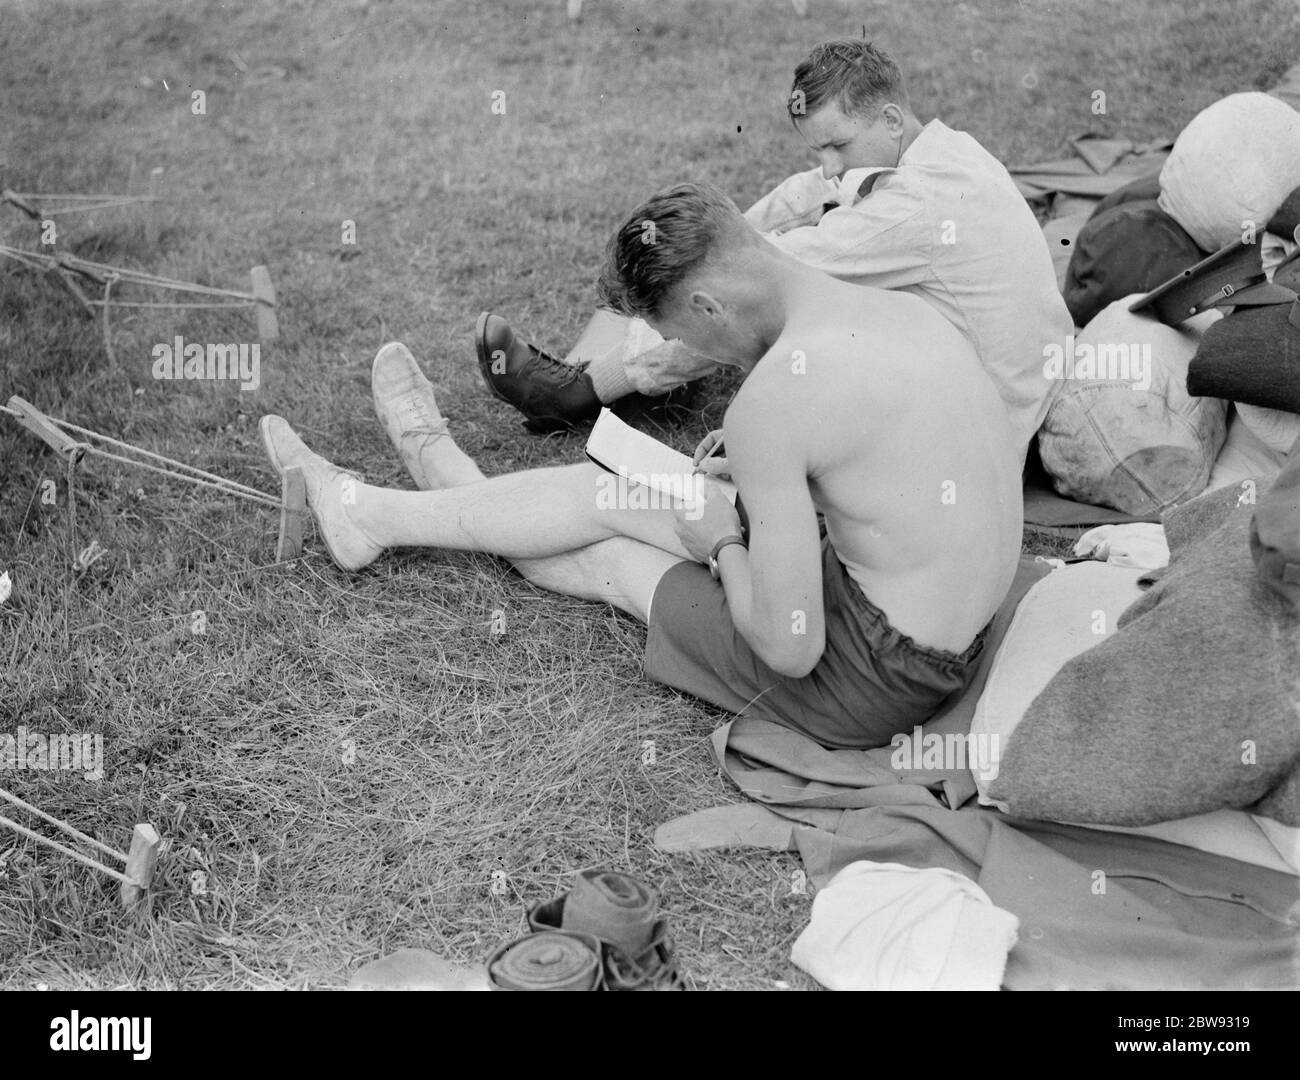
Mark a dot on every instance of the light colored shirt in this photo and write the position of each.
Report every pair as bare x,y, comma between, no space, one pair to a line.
949,225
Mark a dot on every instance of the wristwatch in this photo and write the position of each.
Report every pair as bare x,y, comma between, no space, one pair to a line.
733,538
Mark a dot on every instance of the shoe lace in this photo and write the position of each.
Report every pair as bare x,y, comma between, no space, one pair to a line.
427,433
552,363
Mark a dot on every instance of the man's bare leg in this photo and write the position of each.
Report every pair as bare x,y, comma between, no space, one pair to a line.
530,515
545,521
408,408
524,515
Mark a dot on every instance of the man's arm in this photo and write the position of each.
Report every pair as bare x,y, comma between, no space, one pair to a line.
885,240
797,201
774,589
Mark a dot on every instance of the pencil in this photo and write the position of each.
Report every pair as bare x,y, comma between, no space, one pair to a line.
712,450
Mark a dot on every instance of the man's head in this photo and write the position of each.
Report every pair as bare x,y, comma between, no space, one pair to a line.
684,261
849,103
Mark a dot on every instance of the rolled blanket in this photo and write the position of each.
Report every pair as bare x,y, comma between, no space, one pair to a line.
613,907
554,960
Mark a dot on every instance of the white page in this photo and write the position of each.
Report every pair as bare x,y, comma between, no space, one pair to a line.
644,460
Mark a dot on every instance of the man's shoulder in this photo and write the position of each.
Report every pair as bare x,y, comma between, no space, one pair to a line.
937,139
940,153
828,350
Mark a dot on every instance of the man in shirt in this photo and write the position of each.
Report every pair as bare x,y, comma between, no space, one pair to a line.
894,204
849,638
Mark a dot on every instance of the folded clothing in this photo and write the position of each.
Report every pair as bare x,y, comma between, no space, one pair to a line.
885,926
1252,356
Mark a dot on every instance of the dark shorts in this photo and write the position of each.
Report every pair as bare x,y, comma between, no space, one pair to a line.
870,683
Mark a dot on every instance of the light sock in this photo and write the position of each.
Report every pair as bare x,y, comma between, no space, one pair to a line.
609,376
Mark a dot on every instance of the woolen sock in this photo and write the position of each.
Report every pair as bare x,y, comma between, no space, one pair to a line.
609,376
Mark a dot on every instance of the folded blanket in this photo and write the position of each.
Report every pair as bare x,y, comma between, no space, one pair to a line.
1191,706
1252,357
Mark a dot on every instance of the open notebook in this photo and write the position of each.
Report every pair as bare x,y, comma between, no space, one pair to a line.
646,462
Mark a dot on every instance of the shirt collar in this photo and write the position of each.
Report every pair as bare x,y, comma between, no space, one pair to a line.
856,184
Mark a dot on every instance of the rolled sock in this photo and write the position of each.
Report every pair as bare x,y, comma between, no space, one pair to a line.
609,372
609,377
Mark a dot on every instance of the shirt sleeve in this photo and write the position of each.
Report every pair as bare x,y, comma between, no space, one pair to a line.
885,240
797,201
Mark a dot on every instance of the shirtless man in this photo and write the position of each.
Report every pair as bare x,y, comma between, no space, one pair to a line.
848,638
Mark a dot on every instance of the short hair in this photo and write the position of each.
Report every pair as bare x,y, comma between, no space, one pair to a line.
852,72
665,239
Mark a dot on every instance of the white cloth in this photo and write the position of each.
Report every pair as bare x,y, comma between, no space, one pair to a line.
1276,429
1244,456
947,224
1232,165
884,926
1140,544
1273,251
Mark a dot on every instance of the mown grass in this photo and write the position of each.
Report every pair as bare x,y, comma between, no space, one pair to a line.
474,752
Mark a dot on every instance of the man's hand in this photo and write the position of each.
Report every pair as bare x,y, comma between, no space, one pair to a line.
705,520
715,466
666,367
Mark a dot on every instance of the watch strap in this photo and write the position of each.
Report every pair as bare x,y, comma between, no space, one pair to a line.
726,541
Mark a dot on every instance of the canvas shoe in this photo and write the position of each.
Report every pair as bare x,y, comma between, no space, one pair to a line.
327,494
406,406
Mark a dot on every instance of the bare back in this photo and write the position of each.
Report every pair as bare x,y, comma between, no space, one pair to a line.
908,451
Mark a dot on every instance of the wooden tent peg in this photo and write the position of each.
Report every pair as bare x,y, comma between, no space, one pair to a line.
293,512
43,428
268,325
140,862
151,228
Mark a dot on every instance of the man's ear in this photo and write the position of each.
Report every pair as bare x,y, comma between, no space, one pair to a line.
894,118
703,303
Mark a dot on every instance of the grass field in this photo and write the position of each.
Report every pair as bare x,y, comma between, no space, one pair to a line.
340,763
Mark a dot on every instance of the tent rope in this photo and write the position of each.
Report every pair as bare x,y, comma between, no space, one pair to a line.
179,470
11,797
100,272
